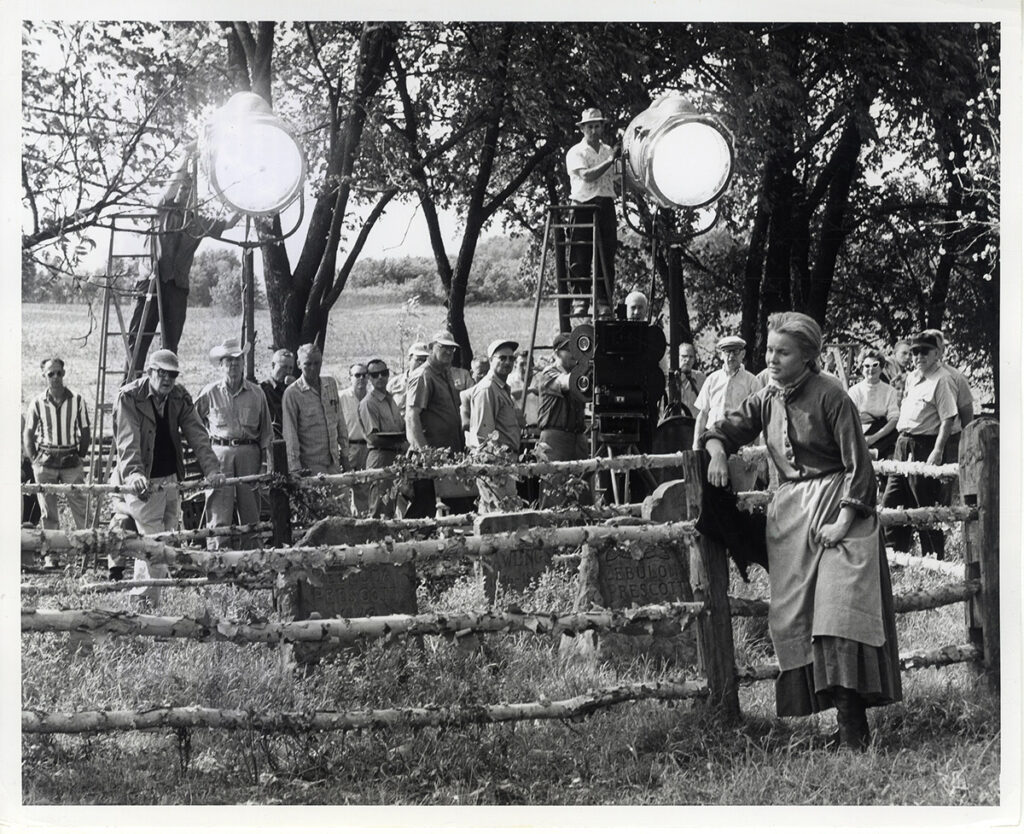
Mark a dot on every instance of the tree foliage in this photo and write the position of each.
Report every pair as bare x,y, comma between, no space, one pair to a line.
867,155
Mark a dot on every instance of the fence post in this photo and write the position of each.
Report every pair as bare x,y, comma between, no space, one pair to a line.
280,508
979,486
709,577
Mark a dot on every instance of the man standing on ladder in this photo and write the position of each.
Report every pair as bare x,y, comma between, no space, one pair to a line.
592,191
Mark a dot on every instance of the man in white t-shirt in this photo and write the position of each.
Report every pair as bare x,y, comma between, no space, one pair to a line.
592,190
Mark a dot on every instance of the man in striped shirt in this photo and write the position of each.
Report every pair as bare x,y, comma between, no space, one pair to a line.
56,439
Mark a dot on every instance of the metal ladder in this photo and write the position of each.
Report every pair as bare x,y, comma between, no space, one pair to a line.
115,331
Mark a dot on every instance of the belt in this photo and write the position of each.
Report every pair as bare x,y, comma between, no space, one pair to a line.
918,436
59,449
233,441
357,442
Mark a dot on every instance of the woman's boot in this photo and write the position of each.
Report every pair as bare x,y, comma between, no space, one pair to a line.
854,733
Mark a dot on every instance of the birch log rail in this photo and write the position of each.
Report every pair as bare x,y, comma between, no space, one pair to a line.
902,603
123,623
39,721
915,659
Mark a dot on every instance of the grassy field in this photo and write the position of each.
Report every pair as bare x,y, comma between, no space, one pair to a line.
940,746
361,327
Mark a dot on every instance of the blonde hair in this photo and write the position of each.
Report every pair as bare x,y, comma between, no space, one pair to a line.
803,330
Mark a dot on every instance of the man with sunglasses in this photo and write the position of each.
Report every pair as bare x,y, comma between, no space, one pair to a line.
928,417
56,439
150,416
350,399
384,424
493,418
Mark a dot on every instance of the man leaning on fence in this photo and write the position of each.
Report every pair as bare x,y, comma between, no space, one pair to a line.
150,416
56,440
241,431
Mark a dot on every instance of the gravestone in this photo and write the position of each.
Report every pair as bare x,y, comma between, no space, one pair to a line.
636,575
364,591
513,569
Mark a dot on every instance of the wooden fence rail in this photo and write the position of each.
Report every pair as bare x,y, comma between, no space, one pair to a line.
578,706
951,594
917,659
638,620
470,471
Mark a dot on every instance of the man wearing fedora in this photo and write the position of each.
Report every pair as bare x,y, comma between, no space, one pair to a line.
150,416
592,191
241,429
723,390
493,413
432,418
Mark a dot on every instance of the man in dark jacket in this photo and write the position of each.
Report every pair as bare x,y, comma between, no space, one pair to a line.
150,416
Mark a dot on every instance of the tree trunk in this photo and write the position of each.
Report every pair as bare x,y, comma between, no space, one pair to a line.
832,231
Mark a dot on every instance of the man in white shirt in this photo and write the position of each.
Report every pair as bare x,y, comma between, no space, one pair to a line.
350,399
928,418
592,190
724,389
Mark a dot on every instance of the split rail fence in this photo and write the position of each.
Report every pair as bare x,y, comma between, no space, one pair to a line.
669,524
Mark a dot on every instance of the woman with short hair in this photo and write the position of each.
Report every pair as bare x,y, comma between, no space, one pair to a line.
877,403
831,614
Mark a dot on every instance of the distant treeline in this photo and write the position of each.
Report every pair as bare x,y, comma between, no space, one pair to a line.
501,273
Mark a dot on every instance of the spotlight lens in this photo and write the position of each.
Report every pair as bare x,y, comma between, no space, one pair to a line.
257,168
690,164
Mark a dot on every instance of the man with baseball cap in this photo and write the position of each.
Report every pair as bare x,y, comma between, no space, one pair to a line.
592,191
398,385
928,418
238,419
561,419
724,389
282,374
432,414
493,417
150,416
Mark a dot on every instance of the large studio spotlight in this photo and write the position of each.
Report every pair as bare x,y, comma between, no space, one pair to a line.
252,160
679,157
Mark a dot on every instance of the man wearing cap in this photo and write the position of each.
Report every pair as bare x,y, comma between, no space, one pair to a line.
384,424
432,414
724,389
398,385
350,399
928,418
592,190
241,429
493,418
282,374
55,438
150,416
315,431
561,418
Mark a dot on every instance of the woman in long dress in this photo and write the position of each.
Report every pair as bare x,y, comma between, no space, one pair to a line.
831,613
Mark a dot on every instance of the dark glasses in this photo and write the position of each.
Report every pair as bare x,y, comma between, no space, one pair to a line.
378,374
166,374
